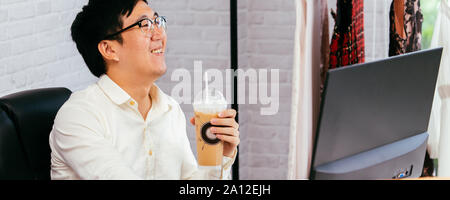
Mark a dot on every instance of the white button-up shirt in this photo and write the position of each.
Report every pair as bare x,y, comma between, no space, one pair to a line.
100,134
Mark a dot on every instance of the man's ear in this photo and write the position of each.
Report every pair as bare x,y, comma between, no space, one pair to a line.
108,49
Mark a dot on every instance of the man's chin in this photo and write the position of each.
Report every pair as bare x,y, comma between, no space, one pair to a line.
160,72
163,69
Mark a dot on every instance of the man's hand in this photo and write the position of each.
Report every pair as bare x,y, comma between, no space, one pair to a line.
229,134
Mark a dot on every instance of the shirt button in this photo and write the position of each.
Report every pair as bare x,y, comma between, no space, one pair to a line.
132,103
150,153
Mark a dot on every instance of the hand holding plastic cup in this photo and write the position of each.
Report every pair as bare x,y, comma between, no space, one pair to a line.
207,105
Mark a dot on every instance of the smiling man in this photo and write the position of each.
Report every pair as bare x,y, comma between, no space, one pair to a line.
124,126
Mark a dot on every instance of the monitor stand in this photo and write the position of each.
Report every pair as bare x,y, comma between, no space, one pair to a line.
397,160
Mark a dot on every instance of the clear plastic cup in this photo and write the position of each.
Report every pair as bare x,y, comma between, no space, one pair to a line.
207,105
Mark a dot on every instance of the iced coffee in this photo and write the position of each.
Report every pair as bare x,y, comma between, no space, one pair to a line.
207,105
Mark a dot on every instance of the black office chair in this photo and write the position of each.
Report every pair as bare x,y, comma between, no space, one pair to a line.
26,119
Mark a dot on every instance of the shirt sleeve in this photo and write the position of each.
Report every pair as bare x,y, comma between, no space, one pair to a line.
226,167
78,138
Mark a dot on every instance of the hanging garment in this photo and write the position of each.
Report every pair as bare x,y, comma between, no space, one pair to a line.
347,44
306,84
405,27
439,126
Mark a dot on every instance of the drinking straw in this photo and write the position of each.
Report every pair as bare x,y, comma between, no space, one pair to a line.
207,89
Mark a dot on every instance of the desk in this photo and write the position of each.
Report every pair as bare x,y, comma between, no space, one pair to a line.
427,179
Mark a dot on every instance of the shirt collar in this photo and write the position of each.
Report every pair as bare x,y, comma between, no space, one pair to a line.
160,102
112,90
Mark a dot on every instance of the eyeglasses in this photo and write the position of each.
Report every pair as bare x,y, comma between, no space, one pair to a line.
146,25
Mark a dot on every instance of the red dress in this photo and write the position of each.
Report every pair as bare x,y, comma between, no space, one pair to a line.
347,44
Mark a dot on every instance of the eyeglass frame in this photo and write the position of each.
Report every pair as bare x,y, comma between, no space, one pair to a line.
138,23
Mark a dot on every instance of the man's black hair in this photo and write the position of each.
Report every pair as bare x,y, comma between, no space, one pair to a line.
98,19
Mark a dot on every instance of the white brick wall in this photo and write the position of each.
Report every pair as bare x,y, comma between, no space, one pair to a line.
36,51
266,41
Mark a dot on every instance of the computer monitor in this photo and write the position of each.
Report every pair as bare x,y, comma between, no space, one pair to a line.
374,118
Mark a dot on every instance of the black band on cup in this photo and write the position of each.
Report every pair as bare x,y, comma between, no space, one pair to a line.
205,137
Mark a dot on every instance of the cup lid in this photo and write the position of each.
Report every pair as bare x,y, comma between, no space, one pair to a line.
211,100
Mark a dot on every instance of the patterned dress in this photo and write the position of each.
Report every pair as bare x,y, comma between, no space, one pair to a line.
405,27
347,44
